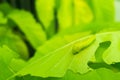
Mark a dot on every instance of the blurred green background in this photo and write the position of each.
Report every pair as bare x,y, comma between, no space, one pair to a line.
29,5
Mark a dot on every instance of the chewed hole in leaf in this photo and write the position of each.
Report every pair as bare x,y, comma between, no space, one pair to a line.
104,65
99,60
100,50
98,65
81,45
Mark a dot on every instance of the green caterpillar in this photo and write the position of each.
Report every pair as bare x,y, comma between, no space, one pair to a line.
81,45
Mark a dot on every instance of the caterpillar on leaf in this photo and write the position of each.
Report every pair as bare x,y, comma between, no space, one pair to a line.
81,45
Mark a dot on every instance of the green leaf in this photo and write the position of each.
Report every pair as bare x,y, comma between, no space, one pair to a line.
59,40
72,13
82,12
94,27
13,41
29,27
45,11
72,34
46,14
112,55
10,63
3,20
104,10
17,44
3,30
17,64
98,74
5,71
56,63
6,56
5,8
65,14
